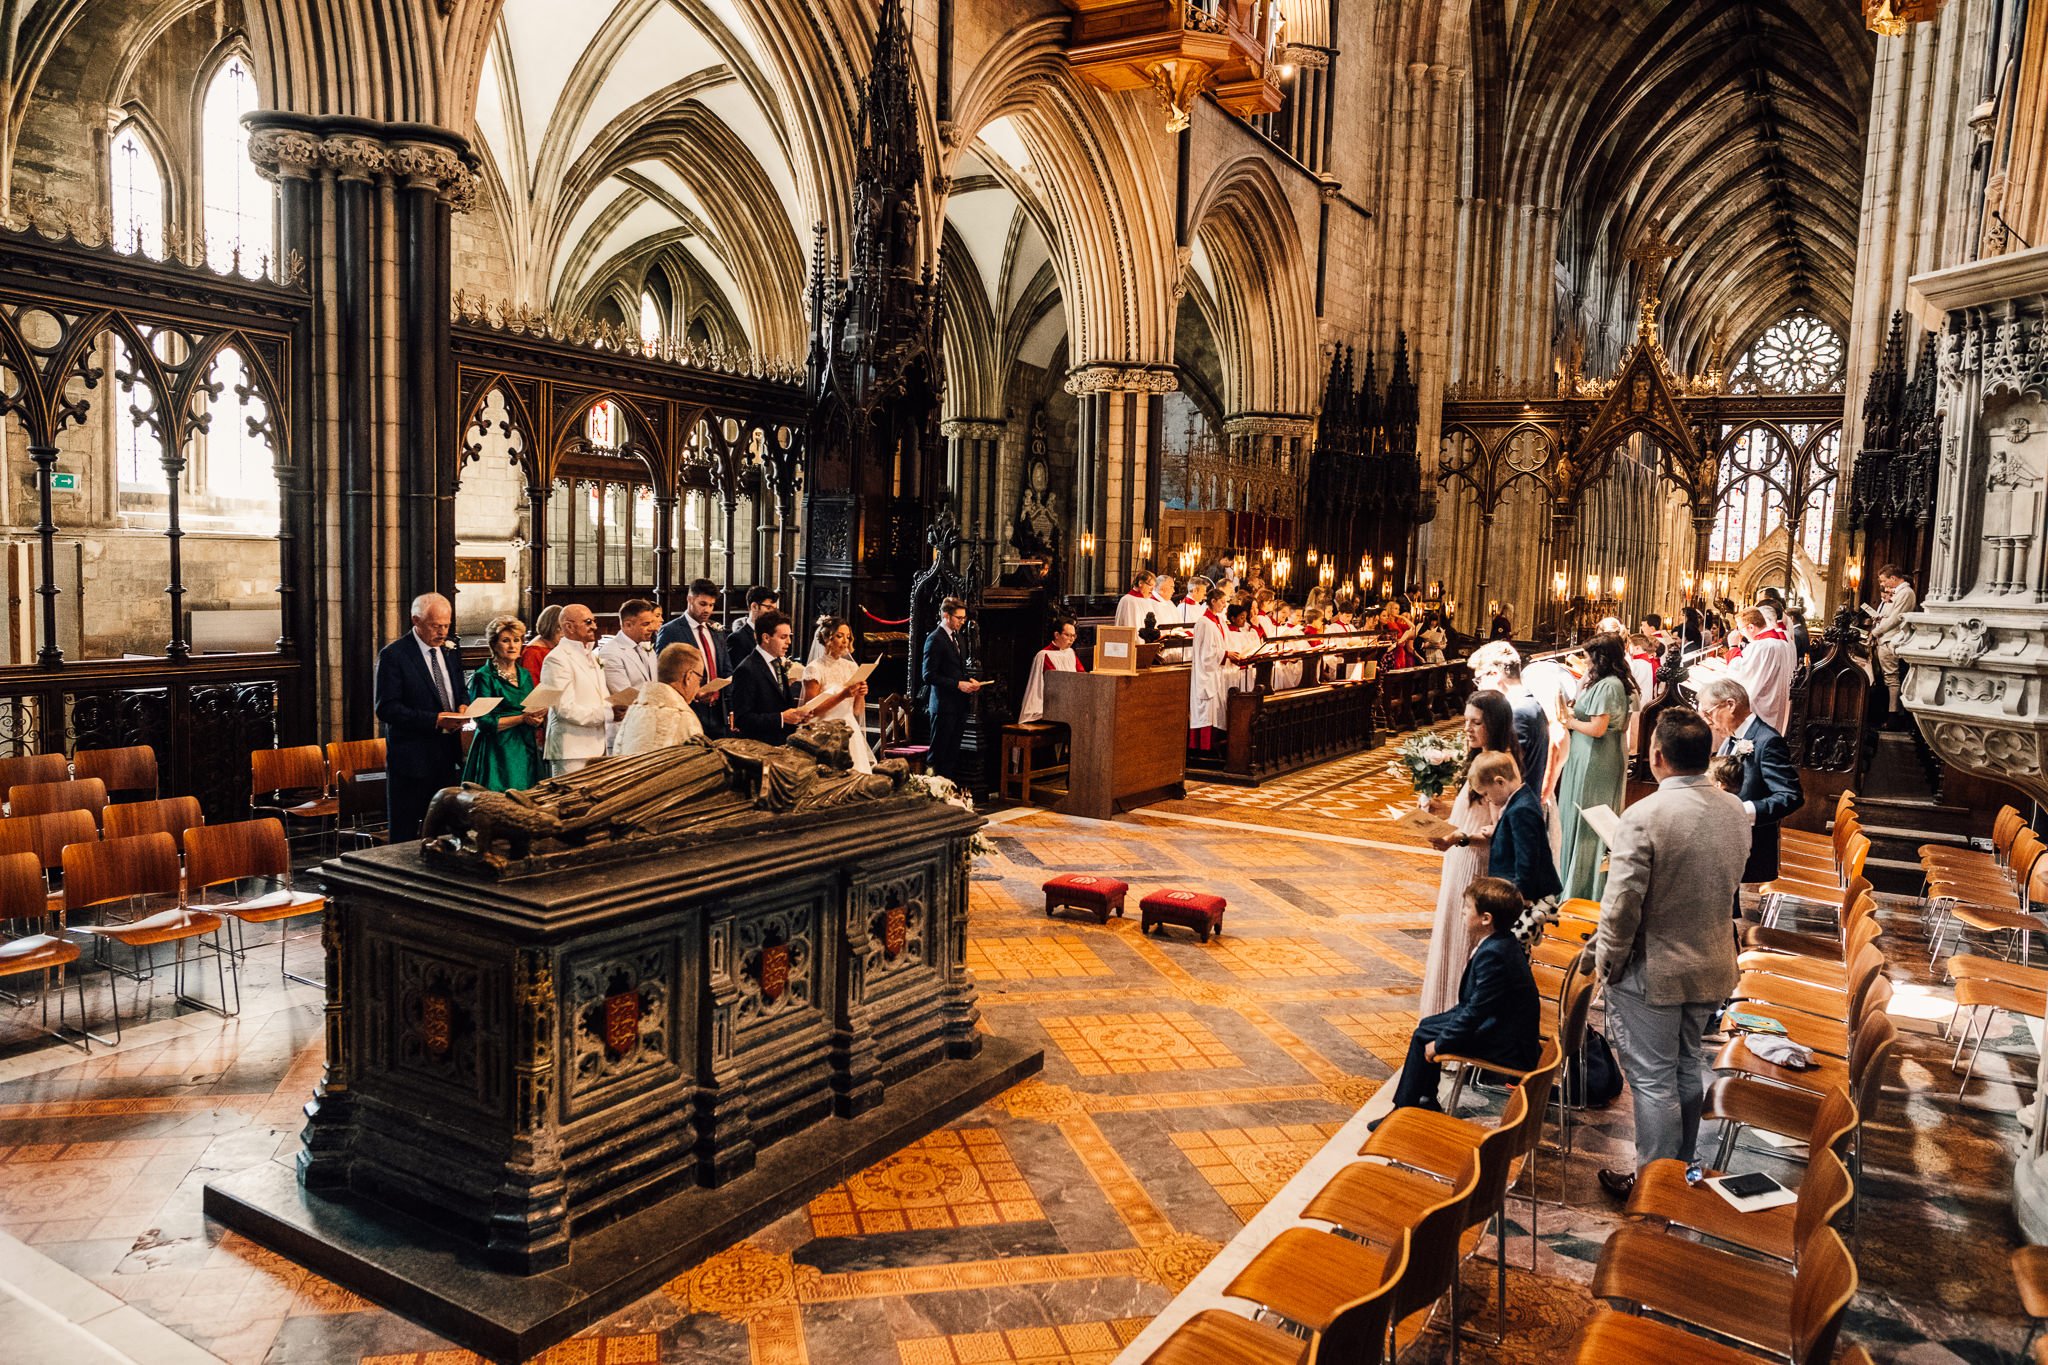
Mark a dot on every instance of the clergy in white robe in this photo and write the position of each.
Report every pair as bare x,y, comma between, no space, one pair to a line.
1169,611
1766,667
1208,680
1241,641
1133,607
1057,657
1287,674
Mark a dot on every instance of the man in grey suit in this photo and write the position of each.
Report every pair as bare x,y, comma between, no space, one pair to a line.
1887,631
1664,952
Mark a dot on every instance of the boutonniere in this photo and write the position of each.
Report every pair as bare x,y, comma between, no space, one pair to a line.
1744,748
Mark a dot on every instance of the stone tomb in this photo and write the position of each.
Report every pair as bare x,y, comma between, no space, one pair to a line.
569,1060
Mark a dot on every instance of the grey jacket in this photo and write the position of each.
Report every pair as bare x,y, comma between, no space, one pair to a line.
1672,872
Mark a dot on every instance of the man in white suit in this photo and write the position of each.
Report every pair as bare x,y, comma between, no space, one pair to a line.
576,724
1664,950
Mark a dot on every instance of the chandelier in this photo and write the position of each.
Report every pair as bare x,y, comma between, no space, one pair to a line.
1893,17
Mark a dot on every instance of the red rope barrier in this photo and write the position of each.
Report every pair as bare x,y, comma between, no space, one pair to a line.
883,620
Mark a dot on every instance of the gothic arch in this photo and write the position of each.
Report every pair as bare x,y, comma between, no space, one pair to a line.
1263,314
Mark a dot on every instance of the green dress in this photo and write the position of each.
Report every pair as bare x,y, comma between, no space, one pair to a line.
1595,773
503,760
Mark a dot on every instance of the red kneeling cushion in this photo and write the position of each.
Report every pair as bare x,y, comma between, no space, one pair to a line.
1085,886
1185,903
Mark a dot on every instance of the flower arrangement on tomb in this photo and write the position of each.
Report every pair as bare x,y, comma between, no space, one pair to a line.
1430,761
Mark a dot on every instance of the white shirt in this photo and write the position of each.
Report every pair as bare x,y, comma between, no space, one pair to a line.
1047,660
434,657
1131,609
1766,668
577,723
657,718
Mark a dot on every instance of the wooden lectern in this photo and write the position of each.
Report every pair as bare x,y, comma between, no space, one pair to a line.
1129,733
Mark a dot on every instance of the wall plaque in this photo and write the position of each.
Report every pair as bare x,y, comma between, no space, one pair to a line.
479,570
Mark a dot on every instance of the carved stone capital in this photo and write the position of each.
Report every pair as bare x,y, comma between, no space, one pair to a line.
1087,379
1268,424
973,428
1303,57
354,158
284,153
429,166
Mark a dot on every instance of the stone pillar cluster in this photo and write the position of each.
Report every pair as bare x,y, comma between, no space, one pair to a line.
1116,497
973,447
368,206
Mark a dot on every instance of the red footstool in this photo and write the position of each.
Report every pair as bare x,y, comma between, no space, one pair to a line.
1081,891
1196,910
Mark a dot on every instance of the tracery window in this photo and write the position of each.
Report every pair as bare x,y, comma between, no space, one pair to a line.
1759,477
650,320
1797,354
239,466
238,200
601,427
137,194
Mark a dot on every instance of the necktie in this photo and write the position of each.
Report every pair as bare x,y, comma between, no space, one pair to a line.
441,680
710,655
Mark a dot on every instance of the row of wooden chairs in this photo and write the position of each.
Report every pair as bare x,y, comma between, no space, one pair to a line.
1778,1281
1992,892
129,772
104,876
338,788
1404,1220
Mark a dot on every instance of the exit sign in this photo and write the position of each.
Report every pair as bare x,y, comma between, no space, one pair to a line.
64,483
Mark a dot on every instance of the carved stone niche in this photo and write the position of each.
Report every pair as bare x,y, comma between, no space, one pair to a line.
1978,647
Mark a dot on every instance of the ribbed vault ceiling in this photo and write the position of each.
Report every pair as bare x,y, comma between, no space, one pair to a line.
1739,125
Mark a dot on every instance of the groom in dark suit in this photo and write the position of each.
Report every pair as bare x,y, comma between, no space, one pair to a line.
1770,788
945,673
420,695
767,691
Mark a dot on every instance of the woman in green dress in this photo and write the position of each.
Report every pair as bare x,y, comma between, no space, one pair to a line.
504,752
1596,768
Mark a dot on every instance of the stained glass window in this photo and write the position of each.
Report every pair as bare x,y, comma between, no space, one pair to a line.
1799,354
650,320
602,426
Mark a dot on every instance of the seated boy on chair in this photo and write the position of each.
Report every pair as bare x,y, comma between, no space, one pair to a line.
1498,1013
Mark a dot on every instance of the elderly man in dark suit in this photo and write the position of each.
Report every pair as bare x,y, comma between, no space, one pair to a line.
766,691
945,673
1770,788
1663,950
419,696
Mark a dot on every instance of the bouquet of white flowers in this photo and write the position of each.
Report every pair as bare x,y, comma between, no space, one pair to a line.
1430,761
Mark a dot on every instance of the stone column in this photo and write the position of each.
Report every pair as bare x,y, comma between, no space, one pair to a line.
1116,494
368,207
972,444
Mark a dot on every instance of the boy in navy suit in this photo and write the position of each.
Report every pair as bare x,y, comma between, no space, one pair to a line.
1496,1017
1520,849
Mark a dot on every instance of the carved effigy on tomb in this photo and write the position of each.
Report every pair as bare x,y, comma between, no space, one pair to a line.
660,799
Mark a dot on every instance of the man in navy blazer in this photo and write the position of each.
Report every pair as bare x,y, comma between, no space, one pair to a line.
945,673
1770,788
767,689
420,695
1496,1017
696,627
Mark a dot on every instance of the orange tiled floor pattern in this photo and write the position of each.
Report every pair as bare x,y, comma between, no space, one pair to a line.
1183,1084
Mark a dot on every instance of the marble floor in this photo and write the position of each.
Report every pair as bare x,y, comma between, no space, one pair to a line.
1184,1085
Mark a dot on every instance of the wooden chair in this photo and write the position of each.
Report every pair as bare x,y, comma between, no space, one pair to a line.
1380,1201
1833,1037
1999,891
1664,1196
1307,1276
1023,746
346,757
2005,827
1850,867
97,875
1838,1003
171,815
1794,1315
358,766
292,784
2030,1277
1858,904
2016,919
130,772
26,769
897,734
22,897
1817,862
1879,1035
1807,841
1986,1000
41,798
217,855
1858,932
1357,1334
47,836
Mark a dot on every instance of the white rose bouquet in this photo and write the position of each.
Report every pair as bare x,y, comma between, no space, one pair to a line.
1430,761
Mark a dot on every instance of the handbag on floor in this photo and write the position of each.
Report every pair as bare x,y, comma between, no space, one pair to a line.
1592,1079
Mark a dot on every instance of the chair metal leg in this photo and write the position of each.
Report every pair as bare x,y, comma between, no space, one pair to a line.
289,975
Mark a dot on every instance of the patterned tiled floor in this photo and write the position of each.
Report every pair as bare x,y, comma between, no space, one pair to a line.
1184,1083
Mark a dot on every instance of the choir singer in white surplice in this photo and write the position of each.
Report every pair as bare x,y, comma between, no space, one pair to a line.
1209,682
1057,657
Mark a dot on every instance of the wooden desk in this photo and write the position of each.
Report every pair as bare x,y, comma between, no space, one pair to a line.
1130,736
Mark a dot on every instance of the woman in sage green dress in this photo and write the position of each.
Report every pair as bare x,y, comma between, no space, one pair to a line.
1596,768
504,750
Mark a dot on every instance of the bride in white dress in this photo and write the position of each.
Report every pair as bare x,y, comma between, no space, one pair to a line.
833,673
